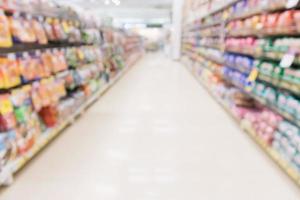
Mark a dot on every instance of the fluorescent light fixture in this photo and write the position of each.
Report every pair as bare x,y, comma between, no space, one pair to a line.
116,2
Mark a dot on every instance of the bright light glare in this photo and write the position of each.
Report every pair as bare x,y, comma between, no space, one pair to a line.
117,2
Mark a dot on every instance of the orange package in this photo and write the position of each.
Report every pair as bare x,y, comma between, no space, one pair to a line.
286,19
21,29
39,31
29,67
30,32
60,63
45,70
9,72
5,34
47,60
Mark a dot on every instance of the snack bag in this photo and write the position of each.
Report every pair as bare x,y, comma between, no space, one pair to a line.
39,31
59,61
8,148
5,34
22,104
272,20
49,116
18,31
35,97
30,32
297,19
9,71
286,19
7,118
45,70
29,67
48,61
58,30
45,91
48,29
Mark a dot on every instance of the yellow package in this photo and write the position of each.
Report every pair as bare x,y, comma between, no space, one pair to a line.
5,34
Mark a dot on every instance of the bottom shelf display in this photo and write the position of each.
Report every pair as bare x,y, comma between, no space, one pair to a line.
276,136
15,153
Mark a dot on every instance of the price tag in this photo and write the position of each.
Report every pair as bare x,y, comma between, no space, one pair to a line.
287,60
291,3
25,54
253,75
38,52
11,56
80,55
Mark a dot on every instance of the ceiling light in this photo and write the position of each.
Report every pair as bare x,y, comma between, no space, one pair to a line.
116,2
106,2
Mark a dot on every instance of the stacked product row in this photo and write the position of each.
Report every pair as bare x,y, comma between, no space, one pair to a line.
42,97
26,28
247,55
43,86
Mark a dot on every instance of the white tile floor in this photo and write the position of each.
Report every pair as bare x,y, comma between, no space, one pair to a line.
156,135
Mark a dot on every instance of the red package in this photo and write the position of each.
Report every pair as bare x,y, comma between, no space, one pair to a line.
49,116
286,19
297,19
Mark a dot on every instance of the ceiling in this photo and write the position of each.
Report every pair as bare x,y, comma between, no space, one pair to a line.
126,11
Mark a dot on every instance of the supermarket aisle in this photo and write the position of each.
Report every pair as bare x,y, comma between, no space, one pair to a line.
156,135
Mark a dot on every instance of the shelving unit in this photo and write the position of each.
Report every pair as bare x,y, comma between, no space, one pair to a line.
46,85
6,175
246,55
244,125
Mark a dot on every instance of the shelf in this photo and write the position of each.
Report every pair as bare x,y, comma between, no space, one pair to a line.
243,15
39,10
204,26
220,8
292,173
260,54
32,47
294,88
273,107
264,32
284,114
256,11
289,86
13,167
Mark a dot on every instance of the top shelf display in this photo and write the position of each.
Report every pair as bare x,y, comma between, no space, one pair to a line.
39,24
238,10
38,8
